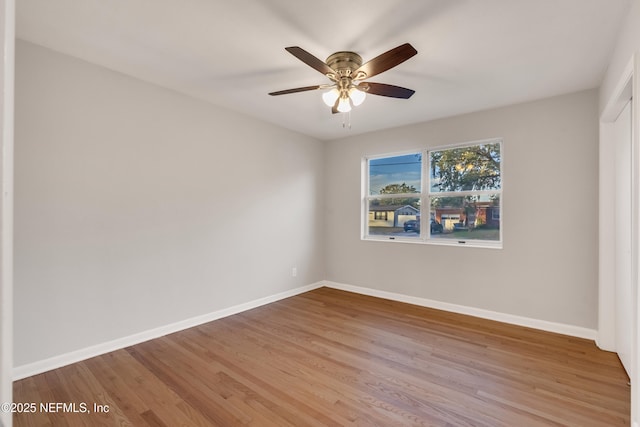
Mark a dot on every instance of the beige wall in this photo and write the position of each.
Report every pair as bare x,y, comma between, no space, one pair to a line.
548,267
137,207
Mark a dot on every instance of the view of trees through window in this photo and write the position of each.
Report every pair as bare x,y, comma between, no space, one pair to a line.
460,202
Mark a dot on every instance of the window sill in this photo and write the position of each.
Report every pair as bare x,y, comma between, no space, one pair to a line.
483,244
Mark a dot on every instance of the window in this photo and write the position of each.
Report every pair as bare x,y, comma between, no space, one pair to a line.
449,195
394,186
381,215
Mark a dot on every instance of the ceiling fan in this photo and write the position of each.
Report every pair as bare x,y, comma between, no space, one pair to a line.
347,72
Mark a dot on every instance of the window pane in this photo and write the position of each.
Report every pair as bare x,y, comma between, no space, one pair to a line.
471,168
394,217
466,218
393,175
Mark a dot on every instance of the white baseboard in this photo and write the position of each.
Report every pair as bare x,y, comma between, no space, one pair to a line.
41,366
55,362
559,328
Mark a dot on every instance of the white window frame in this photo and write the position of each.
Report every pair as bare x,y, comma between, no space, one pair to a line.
425,195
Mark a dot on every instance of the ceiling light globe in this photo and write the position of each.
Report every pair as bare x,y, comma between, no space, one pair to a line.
357,96
330,97
344,106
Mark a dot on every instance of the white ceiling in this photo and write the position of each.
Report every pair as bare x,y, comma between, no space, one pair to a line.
472,54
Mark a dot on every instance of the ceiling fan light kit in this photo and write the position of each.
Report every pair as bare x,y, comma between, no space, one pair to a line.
357,96
331,97
346,72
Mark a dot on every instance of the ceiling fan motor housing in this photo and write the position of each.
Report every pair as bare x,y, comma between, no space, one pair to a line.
344,63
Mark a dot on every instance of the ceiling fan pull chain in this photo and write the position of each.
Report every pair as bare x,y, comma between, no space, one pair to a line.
346,120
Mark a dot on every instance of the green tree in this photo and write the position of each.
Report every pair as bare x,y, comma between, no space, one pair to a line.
403,188
472,168
398,189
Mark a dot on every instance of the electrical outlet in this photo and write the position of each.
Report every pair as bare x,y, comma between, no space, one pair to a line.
294,272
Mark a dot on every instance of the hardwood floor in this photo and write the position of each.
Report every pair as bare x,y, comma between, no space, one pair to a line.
329,357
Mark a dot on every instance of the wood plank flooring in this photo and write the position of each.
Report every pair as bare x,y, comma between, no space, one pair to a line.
333,358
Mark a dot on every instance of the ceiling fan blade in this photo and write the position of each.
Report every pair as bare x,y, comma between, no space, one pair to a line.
298,89
387,60
309,59
387,90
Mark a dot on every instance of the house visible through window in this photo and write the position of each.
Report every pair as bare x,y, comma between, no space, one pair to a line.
459,203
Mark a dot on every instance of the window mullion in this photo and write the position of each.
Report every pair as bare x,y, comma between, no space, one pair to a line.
425,208
463,193
394,196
